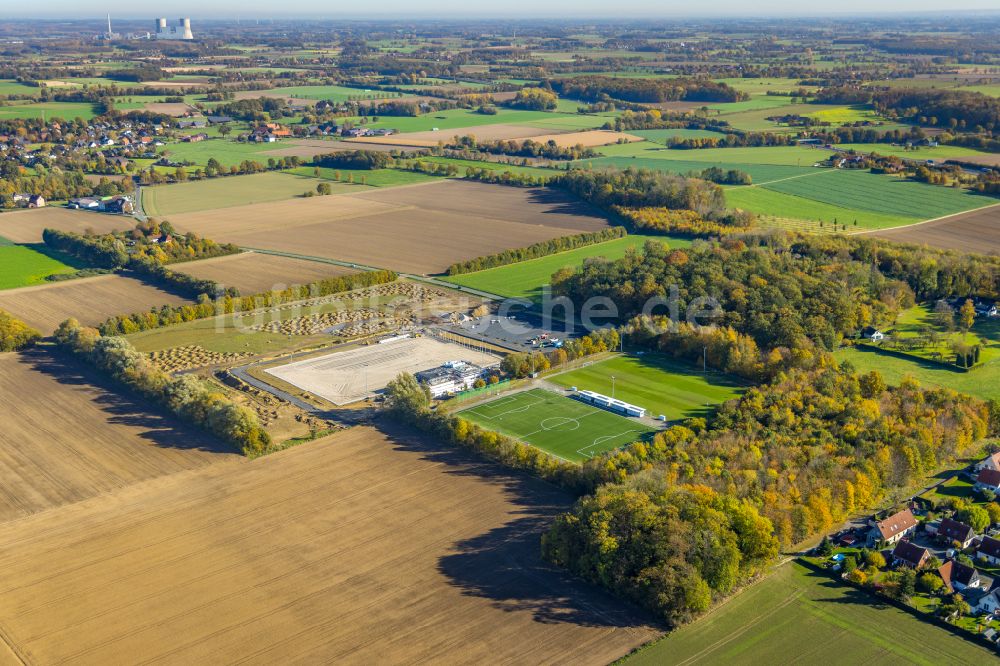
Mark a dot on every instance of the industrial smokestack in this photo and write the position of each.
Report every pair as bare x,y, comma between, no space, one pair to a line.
185,25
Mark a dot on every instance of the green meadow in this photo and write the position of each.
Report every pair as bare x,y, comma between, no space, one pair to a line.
525,279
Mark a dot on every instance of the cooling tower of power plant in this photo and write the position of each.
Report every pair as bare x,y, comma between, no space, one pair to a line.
180,31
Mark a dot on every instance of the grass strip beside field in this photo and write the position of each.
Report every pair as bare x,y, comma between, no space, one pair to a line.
23,265
526,279
796,615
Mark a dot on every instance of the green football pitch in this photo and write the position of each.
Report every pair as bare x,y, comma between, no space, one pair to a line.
564,427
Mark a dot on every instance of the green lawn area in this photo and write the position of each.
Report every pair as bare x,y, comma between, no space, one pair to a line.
676,161
12,87
764,84
755,103
372,178
887,195
161,200
226,151
24,265
917,332
920,153
954,487
657,382
983,382
64,110
556,424
842,115
797,616
799,156
525,279
804,214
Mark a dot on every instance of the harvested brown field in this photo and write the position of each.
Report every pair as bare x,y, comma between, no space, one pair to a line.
419,229
972,231
985,160
587,139
351,144
276,217
26,226
307,148
530,206
175,109
252,272
361,548
90,300
67,435
430,138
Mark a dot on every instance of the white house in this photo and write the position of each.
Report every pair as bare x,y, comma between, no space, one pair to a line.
988,479
989,462
872,334
989,550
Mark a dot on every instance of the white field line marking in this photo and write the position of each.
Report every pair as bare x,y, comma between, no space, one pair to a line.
577,419
778,180
600,440
509,411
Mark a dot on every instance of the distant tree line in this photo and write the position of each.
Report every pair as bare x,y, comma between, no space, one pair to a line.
354,159
541,249
524,148
683,222
649,91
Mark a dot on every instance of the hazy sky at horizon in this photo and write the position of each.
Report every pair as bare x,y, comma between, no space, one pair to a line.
623,9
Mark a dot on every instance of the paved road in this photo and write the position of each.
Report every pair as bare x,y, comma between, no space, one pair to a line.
137,210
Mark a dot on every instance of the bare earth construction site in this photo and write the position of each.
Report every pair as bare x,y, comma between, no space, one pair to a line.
349,376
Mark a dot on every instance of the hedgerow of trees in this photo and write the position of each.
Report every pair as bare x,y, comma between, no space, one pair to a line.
187,396
541,249
356,159
230,302
15,334
681,222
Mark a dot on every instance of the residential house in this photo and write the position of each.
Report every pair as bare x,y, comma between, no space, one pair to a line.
988,479
195,138
958,576
118,204
36,201
872,333
85,203
989,462
952,531
909,554
989,550
893,528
